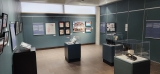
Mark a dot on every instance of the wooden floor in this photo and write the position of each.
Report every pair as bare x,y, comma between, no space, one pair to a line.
52,61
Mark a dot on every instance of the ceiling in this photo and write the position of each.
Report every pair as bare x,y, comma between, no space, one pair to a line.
74,2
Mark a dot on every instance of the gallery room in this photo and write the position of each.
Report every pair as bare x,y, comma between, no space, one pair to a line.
79,36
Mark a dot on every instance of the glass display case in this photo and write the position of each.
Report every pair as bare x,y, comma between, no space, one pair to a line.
133,50
111,38
73,40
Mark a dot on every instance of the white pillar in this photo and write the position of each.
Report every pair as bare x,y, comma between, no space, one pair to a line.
97,25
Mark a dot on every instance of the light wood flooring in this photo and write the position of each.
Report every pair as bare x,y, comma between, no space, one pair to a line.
52,61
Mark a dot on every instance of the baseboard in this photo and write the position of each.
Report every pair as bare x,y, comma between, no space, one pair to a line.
61,46
155,62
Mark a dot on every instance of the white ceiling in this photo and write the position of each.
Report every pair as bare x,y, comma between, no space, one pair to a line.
74,2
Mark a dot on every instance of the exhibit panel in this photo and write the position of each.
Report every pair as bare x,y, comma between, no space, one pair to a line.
58,38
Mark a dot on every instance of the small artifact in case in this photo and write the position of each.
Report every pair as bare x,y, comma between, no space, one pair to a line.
130,56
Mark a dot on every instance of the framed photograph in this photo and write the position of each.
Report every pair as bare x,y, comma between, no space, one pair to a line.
78,26
61,24
4,19
16,27
61,32
6,37
67,31
67,24
111,27
88,23
1,26
88,29
20,27
1,45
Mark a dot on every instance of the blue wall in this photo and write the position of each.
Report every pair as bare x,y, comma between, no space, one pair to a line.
12,8
46,41
118,13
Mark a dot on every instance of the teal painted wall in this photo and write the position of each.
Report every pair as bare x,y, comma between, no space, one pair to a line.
118,12
12,8
46,41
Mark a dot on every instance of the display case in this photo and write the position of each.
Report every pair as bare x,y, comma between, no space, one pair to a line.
134,56
73,40
111,38
133,50
72,48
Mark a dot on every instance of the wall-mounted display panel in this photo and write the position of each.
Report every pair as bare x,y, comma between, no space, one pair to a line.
103,27
5,19
50,28
13,36
38,29
79,26
152,29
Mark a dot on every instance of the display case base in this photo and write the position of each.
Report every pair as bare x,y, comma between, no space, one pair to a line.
72,60
105,61
124,67
108,52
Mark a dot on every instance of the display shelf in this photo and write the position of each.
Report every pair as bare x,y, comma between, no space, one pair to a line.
125,58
